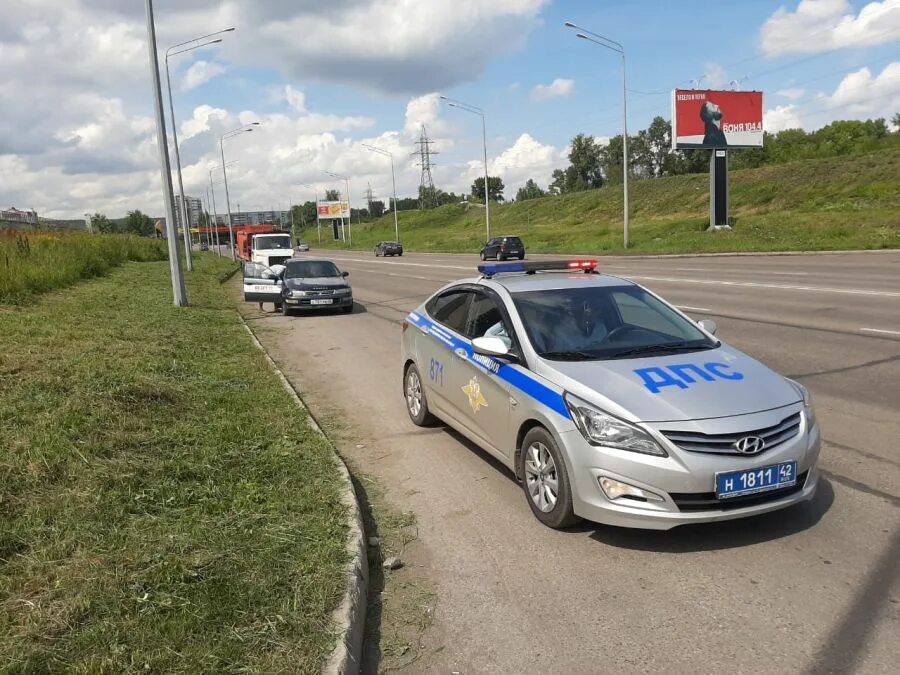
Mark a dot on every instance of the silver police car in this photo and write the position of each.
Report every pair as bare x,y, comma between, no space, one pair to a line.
607,402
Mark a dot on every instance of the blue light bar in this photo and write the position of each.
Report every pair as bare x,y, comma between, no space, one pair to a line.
500,268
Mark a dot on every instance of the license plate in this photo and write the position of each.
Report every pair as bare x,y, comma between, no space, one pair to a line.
322,301
273,289
751,481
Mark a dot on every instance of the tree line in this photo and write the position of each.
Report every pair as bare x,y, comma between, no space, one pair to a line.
135,222
650,154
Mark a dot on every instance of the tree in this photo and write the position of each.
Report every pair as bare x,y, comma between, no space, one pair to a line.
584,157
100,223
895,121
332,195
138,223
530,190
376,208
495,187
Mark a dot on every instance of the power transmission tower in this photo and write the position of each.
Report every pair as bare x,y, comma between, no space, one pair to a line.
370,197
426,183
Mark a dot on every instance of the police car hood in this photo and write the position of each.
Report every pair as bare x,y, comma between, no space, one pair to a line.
719,382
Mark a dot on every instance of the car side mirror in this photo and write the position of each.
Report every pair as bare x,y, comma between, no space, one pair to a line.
708,325
490,346
345,274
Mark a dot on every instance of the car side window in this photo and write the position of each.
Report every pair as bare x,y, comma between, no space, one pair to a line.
451,309
486,320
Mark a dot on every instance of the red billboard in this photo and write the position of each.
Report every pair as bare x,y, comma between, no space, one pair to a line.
717,119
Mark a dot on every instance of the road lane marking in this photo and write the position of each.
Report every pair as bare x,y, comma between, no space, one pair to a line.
754,284
880,330
693,309
684,280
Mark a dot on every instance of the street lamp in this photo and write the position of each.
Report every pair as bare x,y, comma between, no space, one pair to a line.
487,194
179,292
212,190
616,47
387,153
231,134
185,216
349,206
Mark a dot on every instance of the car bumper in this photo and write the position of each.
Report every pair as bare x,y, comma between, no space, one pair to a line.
684,482
307,303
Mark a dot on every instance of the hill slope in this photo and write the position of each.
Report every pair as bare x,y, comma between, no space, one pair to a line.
826,204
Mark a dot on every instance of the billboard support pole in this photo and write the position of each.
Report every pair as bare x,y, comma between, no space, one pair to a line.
718,190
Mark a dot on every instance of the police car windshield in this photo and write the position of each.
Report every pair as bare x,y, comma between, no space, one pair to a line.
309,269
610,322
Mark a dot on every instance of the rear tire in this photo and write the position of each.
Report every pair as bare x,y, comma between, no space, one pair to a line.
522,257
416,402
483,256
545,480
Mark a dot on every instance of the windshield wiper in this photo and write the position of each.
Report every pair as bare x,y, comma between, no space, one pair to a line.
567,356
664,348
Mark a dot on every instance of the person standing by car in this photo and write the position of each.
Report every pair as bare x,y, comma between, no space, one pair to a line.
273,272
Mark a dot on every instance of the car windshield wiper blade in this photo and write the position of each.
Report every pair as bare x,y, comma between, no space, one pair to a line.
663,348
567,356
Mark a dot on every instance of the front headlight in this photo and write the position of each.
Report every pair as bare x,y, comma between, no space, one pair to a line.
601,428
808,409
342,291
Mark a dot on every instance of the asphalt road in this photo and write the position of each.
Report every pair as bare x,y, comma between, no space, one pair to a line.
812,589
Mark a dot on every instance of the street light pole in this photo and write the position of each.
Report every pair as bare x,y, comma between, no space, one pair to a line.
179,293
612,45
381,151
487,193
222,139
212,190
185,215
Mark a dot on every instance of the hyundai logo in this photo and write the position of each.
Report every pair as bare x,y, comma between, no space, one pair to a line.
749,445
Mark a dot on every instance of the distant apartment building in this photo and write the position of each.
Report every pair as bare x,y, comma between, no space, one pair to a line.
194,209
282,218
17,216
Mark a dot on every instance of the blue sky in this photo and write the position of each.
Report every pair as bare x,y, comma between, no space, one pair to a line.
324,77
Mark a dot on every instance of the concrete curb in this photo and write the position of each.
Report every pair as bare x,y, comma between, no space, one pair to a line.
350,614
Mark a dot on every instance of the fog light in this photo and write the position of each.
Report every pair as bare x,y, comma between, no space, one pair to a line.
615,489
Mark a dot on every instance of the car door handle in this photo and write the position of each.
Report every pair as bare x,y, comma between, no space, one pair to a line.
461,354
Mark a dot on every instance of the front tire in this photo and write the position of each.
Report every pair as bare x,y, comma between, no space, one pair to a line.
416,402
545,480
284,309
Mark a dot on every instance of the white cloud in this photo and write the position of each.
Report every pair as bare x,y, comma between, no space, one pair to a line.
824,25
782,117
295,98
559,87
200,73
791,93
524,159
861,95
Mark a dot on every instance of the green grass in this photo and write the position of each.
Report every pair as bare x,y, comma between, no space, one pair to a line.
163,505
32,263
824,204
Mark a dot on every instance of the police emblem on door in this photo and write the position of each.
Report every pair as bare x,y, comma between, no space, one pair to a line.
476,398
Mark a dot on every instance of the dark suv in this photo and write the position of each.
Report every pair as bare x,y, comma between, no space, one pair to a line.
385,248
503,248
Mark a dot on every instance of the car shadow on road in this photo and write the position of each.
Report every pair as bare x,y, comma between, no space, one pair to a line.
690,538
723,535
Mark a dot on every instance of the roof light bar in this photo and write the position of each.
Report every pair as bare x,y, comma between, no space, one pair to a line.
586,266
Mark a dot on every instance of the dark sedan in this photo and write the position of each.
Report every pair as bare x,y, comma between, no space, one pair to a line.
386,248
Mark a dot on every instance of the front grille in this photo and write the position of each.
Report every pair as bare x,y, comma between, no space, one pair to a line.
278,260
706,501
723,444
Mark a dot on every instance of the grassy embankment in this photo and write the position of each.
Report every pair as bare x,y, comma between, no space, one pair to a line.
32,263
163,505
826,204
